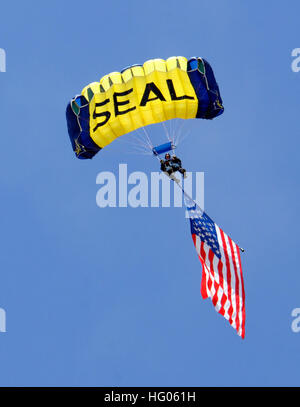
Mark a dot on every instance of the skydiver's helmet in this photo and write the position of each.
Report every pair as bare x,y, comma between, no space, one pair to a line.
167,156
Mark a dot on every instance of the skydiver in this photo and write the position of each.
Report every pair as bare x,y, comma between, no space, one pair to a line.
170,165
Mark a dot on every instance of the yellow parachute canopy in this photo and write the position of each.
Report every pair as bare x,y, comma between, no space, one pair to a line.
140,95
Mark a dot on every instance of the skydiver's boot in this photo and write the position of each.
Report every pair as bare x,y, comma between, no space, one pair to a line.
183,172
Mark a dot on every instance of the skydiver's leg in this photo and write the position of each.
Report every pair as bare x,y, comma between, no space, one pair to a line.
171,176
169,170
177,167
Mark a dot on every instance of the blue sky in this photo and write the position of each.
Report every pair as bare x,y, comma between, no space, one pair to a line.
110,297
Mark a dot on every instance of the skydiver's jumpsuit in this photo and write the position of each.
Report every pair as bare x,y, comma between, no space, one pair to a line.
172,165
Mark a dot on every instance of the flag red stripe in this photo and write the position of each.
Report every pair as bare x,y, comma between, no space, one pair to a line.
211,259
243,294
230,310
224,298
237,288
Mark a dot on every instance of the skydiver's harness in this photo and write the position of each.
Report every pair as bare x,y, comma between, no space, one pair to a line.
171,165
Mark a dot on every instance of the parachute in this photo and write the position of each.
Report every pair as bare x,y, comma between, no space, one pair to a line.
157,91
140,95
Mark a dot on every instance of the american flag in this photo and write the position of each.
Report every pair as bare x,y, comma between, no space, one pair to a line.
222,278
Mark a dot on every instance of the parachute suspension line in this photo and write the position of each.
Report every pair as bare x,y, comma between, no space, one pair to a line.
173,127
182,137
148,138
166,132
139,152
171,130
137,144
141,143
176,129
178,133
